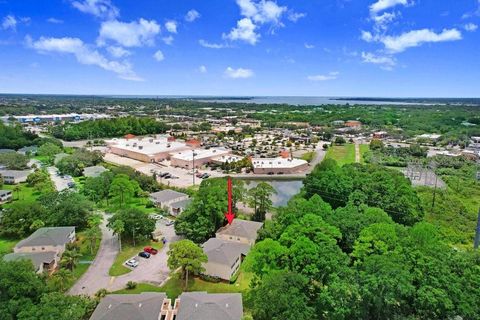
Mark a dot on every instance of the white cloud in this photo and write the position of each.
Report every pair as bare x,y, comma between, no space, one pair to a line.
192,15
103,9
295,16
382,5
470,14
209,45
471,27
129,34
168,40
323,77
239,73
385,62
54,21
83,54
309,46
202,69
171,26
245,31
118,52
159,56
367,36
416,38
382,21
9,22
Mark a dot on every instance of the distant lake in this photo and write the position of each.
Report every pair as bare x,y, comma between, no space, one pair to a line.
286,189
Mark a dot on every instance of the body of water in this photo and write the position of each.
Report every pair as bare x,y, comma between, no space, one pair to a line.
285,189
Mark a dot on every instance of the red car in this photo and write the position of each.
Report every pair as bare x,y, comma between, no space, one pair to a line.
150,250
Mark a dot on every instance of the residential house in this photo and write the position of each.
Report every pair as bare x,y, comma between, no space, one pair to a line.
157,306
5,196
31,150
224,257
94,171
51,239
14,176
241,231
42,261
144,306
208,306
173,202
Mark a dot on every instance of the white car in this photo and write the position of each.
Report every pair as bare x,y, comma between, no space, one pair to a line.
132,263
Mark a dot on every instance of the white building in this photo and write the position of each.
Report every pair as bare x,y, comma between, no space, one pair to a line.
278,165
186,159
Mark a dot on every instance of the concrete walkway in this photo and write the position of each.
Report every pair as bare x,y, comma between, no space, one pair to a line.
357,153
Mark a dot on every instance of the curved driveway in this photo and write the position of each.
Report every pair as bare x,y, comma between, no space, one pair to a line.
153,270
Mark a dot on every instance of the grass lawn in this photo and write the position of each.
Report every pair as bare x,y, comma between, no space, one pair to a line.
25,193
6,246
174,286
309,156
137,203
129,251
87,256
364,148
342,154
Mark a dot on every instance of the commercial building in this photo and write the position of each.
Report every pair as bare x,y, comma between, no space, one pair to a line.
56,117
278,165
157,306
146,149
186,159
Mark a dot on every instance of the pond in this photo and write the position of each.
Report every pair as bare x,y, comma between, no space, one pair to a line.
286,189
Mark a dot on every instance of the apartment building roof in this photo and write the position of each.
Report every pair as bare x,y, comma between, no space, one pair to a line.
203,306
52,236
241,228
144,306
224,252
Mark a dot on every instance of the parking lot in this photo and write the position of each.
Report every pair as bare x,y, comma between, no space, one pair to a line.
61,182
183,178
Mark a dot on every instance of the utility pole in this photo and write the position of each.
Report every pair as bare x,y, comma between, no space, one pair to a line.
477,233
433,167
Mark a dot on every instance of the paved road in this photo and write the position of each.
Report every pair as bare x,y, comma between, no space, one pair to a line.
59,182
153,270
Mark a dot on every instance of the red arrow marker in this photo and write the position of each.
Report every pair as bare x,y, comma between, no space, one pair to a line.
229,215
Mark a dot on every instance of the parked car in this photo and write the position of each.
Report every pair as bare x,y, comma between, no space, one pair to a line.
150,250
168,176
144,254
132,263
71,185
164,174
205,176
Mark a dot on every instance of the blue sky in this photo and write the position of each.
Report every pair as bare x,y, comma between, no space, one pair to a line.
385,48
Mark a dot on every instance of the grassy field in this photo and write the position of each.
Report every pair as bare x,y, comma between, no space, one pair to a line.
174,286
364,148
128,251
6,246
25,193
309,156
342,154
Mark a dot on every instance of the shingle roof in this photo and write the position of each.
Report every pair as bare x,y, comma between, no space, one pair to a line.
144,306
37,258
224,252
241,228
15,173
182,204
94,171
166,195
204,306
47,236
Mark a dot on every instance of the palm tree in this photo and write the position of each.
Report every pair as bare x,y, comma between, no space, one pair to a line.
95,220
70,259
92,234
61,278
118,228
16,190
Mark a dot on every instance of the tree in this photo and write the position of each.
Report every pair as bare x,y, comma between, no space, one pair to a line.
61,278
376,144
281,295
92,234
265,256
118,227
188,256
122,189
98,188
49,150
40,180
20,217
260,200
135,224
70,259
14,160
58,306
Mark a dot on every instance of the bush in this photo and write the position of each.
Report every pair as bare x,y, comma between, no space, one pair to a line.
210,278
131,285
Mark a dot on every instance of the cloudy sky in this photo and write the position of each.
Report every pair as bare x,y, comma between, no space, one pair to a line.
387,48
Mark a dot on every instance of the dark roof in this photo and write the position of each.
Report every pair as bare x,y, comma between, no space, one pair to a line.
53,236
37,258
144,306
241,228
166,195
204,306
223,251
